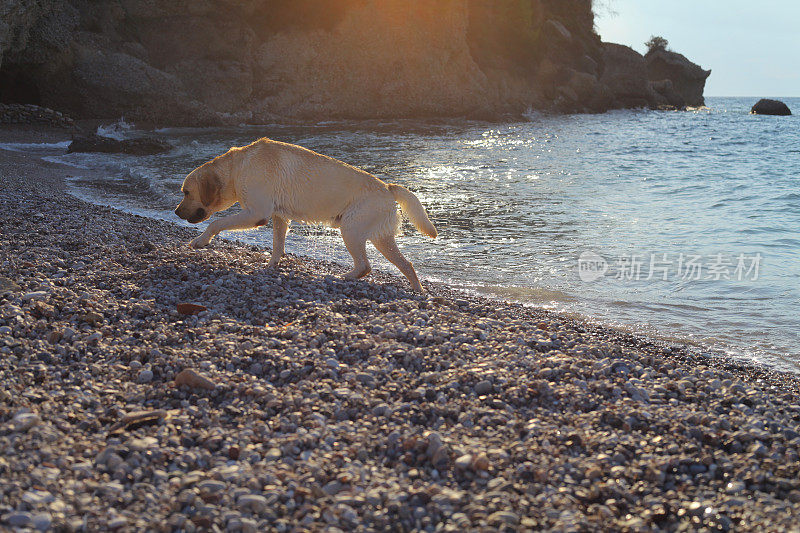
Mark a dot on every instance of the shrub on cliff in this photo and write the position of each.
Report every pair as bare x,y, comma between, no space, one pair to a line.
656,43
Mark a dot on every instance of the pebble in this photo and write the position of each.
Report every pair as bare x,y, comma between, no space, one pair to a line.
37,498
190,308
117,522
35,295
253,502
735,487
273,454
483,387
504,517
481,462
17,519
192,378
464,462
8,285
42,521
145,376
211,485
23,422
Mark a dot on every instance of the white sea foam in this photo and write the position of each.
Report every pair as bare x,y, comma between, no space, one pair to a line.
119,130
34,147
61,160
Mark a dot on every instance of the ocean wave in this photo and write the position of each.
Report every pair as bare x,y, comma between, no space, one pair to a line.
29,147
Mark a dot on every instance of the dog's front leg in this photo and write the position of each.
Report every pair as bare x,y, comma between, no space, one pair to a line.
244,220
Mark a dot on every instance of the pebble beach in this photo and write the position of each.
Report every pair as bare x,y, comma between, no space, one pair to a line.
148,386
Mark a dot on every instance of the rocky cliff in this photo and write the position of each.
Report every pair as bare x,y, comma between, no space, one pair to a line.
232,61
676,80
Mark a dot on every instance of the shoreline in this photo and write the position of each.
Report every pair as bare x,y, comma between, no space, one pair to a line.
337,404
671,341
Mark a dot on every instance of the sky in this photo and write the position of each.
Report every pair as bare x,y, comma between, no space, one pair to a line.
752,48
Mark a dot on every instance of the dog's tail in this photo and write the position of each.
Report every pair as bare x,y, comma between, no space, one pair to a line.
412,207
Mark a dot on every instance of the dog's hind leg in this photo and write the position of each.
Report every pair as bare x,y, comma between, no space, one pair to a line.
388,247
357,246
280,227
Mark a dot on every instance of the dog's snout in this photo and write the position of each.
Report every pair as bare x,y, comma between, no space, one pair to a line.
197,216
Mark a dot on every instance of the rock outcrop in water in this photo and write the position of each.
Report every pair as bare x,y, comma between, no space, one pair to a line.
765,106
660,79
625,76
675,80
232,61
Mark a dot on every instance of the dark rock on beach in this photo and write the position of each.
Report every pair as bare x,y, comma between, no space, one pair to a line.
96,143
31,114
765,106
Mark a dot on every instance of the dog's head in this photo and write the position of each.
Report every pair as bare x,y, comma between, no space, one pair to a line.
202,194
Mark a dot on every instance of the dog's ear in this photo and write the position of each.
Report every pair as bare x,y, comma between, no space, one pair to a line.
210,189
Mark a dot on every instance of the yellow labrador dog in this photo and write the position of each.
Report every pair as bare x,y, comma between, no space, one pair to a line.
285,182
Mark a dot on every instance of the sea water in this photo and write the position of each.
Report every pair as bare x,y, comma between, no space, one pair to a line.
679,225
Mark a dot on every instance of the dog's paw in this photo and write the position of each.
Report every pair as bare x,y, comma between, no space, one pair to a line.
199,242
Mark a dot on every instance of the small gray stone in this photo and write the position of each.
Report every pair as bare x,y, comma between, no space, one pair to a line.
697,468
253,502
37,498
42,521
504,517
36,295
18,519
483,387
332,488
211,485
365,379
23,422
145,376
382,409
117,522
434,444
